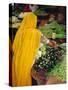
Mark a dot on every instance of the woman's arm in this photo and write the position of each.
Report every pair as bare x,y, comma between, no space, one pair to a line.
49,42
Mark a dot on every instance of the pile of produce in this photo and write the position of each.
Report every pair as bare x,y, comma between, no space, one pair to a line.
59,70
49,58
53,27
52,61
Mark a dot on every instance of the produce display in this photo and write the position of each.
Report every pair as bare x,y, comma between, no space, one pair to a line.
59,70
53,27
53,61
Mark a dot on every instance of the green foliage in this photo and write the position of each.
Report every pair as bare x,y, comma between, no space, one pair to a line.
53,61
49,59
59,70
53,27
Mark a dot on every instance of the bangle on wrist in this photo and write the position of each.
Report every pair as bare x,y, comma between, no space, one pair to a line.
47,41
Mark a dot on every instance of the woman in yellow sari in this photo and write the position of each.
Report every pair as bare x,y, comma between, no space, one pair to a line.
25,46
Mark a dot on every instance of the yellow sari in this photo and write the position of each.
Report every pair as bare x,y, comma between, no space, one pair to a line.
25,46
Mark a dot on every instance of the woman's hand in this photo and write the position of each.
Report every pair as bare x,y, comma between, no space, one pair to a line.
49,42
53,44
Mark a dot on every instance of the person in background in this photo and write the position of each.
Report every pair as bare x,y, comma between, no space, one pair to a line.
43,22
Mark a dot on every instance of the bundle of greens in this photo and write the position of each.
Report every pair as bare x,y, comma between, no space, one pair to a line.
51,28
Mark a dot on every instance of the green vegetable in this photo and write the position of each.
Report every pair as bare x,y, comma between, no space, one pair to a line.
46,31
59,70
48,60
60,35
51,28
53,62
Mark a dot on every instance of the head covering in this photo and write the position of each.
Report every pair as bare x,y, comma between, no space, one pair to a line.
29,21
